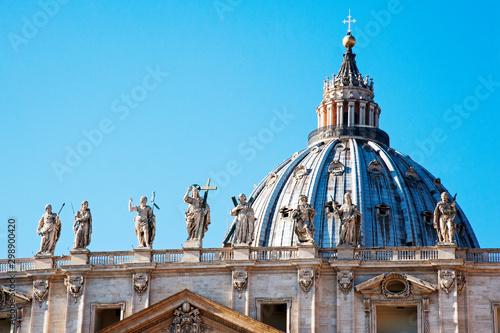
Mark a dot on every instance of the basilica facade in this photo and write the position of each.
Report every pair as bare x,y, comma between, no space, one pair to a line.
346,235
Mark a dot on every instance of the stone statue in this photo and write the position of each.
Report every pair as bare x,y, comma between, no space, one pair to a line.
350,222
444,219
303,218
197,214
82,227
145,223
244,221
49,228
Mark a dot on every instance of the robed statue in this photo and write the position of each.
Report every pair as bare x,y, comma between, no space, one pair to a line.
82,227
444,219
145,223
197,214
303,218
49,227
244,221
350,222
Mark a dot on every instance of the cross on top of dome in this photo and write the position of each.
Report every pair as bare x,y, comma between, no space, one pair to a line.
349,21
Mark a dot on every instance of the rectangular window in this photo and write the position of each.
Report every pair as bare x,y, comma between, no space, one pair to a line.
495,309
5,325
274,312
396,319
104,315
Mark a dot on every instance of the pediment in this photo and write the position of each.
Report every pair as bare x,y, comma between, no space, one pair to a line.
198,313
18,296
395,285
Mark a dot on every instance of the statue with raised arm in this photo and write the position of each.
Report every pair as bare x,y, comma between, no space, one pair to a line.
444,219
303,218
82,227
350,222
244,221
49,227
197,214
145,223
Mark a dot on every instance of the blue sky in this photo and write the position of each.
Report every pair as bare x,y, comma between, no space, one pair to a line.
158,95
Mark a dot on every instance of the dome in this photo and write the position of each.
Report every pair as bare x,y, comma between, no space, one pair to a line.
348,153
395,195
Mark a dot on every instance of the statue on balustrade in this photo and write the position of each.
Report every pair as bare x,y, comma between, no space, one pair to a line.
145,223
82,227
197,214
49,227
350,222
303,218
444,219
244,221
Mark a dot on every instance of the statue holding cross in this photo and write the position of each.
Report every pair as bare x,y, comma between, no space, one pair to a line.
198,212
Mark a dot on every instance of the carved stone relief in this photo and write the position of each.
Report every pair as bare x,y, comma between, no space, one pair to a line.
344,280
40,290
336,168
306,279
395,285
271,179
187,320
461,281
300,172
74,284
447,278
141,281
240,281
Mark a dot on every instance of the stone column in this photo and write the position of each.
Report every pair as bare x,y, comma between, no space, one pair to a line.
329,115
448,305
340,113
350,115
362,113
371,121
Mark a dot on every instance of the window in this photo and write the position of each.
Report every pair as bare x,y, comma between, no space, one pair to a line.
274,312
495,308
397,319
5,325
104,315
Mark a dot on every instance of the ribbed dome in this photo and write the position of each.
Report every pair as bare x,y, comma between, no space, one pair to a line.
348,153
395,196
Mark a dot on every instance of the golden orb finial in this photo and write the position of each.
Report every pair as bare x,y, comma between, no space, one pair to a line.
349,40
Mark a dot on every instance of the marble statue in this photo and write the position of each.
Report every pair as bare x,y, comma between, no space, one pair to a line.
444,219
197,214
303,218
350,222
49,228
82,227
145,223
244,221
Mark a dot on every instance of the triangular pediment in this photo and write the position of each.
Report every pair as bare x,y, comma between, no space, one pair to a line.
191,309
380,284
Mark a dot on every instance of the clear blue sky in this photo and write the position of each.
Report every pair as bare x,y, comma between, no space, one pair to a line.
231,65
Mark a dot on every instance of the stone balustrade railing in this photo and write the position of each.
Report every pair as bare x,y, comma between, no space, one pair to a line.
179,256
